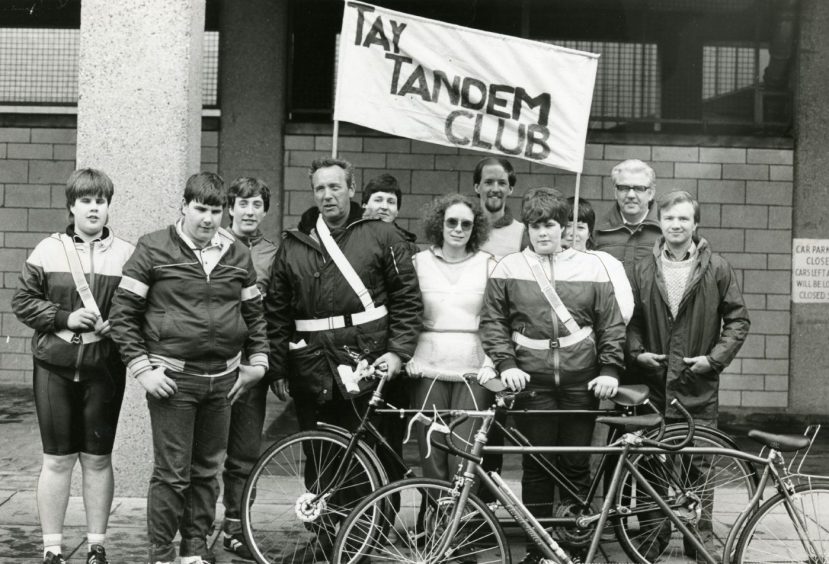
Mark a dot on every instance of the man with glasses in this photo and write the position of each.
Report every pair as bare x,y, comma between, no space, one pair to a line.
629,230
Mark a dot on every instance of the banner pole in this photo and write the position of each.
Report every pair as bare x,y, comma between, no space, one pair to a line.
335,136
576,205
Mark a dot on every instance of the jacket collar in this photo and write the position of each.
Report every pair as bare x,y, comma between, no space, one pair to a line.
249,240
105,240
309,218
614,220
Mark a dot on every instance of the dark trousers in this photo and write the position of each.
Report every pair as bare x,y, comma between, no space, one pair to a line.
189,439
538,489
247,418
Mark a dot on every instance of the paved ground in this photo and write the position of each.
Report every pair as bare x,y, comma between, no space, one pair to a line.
20,463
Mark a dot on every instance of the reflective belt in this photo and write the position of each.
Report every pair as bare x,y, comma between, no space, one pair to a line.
340,321
545,344
342,263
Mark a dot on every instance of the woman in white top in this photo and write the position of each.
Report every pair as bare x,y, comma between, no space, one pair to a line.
581,239
452,274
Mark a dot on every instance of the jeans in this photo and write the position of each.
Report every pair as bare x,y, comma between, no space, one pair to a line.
555,430
189,440
247,418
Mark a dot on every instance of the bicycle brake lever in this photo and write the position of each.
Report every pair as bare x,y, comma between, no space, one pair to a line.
435,426
417,417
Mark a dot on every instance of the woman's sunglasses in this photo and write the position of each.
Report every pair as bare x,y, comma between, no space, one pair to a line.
452,223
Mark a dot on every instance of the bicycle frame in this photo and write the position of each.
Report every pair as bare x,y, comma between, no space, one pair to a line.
772,463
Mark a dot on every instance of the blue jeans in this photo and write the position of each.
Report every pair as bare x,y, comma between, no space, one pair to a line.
189,441
247,418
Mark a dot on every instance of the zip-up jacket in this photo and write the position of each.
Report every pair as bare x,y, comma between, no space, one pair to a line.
167,306
262,252
626,243
46,295
712,320
307,284
514,302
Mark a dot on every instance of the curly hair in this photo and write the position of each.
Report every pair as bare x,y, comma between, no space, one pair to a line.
435,212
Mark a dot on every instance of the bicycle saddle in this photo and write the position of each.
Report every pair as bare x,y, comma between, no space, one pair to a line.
631,396
632,422
783,443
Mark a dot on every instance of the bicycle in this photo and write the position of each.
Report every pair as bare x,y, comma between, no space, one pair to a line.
442,521
304,486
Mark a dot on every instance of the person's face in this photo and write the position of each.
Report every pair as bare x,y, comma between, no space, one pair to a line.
201,221
678,225
494,188
545,236
381,205
247,214
458,222
633,202
576,236
332,195
91,215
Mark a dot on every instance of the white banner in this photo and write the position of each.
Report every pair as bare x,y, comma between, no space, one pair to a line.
440,83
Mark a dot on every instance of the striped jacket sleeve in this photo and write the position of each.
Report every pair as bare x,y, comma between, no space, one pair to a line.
30,303
128,307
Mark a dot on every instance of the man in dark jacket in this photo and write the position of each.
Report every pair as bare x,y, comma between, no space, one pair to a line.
186,310
248,200
318,326
689,322
629,230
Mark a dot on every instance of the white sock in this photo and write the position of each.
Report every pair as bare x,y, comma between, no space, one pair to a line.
191,559
95,538
52,543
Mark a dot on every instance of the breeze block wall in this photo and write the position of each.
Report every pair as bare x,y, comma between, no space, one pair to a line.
745,194
34,165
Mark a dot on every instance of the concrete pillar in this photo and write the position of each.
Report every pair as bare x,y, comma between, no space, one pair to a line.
139,119
253,85
809,390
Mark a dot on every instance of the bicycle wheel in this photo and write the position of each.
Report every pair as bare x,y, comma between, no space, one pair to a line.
419,530
771,535
283,521
706,491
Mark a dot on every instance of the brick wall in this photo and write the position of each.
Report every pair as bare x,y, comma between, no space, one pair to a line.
34,166
745,195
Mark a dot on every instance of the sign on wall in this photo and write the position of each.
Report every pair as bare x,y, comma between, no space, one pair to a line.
440,83
810,271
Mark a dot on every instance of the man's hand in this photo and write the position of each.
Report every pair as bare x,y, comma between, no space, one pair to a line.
651,360
82,319
389,364
698,364
248,377
280,388
515,379
604,387
157,383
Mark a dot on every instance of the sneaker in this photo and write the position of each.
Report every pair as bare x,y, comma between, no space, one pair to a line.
53,559
97,555
532,557
236,544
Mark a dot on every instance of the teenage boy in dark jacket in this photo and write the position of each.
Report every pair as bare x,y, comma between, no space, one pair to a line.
248,200
185,312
